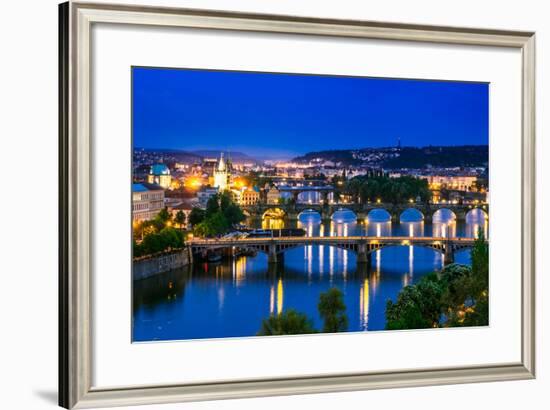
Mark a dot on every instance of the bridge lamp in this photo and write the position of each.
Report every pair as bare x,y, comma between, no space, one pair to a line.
411,201
378,200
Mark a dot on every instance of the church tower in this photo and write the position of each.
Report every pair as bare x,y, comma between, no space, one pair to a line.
221,174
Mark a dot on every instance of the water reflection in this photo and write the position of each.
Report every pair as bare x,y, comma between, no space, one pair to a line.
232,297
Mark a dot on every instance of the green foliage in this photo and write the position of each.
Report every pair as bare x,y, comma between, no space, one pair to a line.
456,280
289,322
212,225
168,238
163,215
212,206
180,218
232,212
388,190
480,265
332,310
220,215
479,316
417,306
460,292
196,216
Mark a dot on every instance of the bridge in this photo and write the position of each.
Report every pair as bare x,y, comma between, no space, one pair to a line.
363,246
292,211
296,190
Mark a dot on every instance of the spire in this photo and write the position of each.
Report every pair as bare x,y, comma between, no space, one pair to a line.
221,164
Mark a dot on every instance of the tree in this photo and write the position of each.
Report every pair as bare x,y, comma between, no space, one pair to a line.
163,215
212,226
289,322
151,244
196,216
212,206
417,306
332,310
171,238
480,265
180,218
457,282
234,214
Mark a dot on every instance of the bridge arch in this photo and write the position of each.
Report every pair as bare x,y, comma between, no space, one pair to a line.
309,214
411,215
344,215
379,215
443,215
476,215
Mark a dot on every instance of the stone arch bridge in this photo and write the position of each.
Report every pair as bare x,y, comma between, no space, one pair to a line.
292,211
363,246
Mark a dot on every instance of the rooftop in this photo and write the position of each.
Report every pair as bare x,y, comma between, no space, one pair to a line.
159,169
144,187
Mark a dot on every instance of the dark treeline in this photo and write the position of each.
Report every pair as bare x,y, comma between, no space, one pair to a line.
388,190
456,296
406,157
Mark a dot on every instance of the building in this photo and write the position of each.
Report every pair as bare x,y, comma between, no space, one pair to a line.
451,182
222,175
160,174
204,194
147,201
273,195
249,197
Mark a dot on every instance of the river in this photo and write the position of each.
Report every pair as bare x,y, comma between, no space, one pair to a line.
230,298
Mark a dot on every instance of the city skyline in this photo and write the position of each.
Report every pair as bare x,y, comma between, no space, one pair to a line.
195,110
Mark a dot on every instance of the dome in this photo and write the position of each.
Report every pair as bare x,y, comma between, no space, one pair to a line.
159,169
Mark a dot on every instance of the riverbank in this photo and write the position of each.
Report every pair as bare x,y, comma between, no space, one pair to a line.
145,267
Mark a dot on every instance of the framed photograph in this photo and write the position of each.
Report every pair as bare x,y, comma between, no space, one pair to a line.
256,205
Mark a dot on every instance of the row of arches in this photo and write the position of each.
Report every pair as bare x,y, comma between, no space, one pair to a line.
476,215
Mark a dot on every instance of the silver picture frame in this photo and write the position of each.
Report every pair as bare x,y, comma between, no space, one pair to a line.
75,330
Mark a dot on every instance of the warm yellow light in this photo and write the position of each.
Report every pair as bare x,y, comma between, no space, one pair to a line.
378,200
411,201
280,297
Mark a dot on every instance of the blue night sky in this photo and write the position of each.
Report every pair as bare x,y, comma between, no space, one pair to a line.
280,115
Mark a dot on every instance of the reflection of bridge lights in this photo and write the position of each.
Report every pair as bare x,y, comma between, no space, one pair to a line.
364,305
239,270
405,280
280,296
321,259
221,297
271,300
378,230
331,260
309,259
411,259
345,263
411,230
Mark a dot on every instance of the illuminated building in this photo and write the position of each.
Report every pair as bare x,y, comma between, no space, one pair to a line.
160,174
222,175
204,194
273,195
249,197
455,182
147,201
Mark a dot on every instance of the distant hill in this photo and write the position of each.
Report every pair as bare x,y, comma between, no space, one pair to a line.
405,157
235,156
